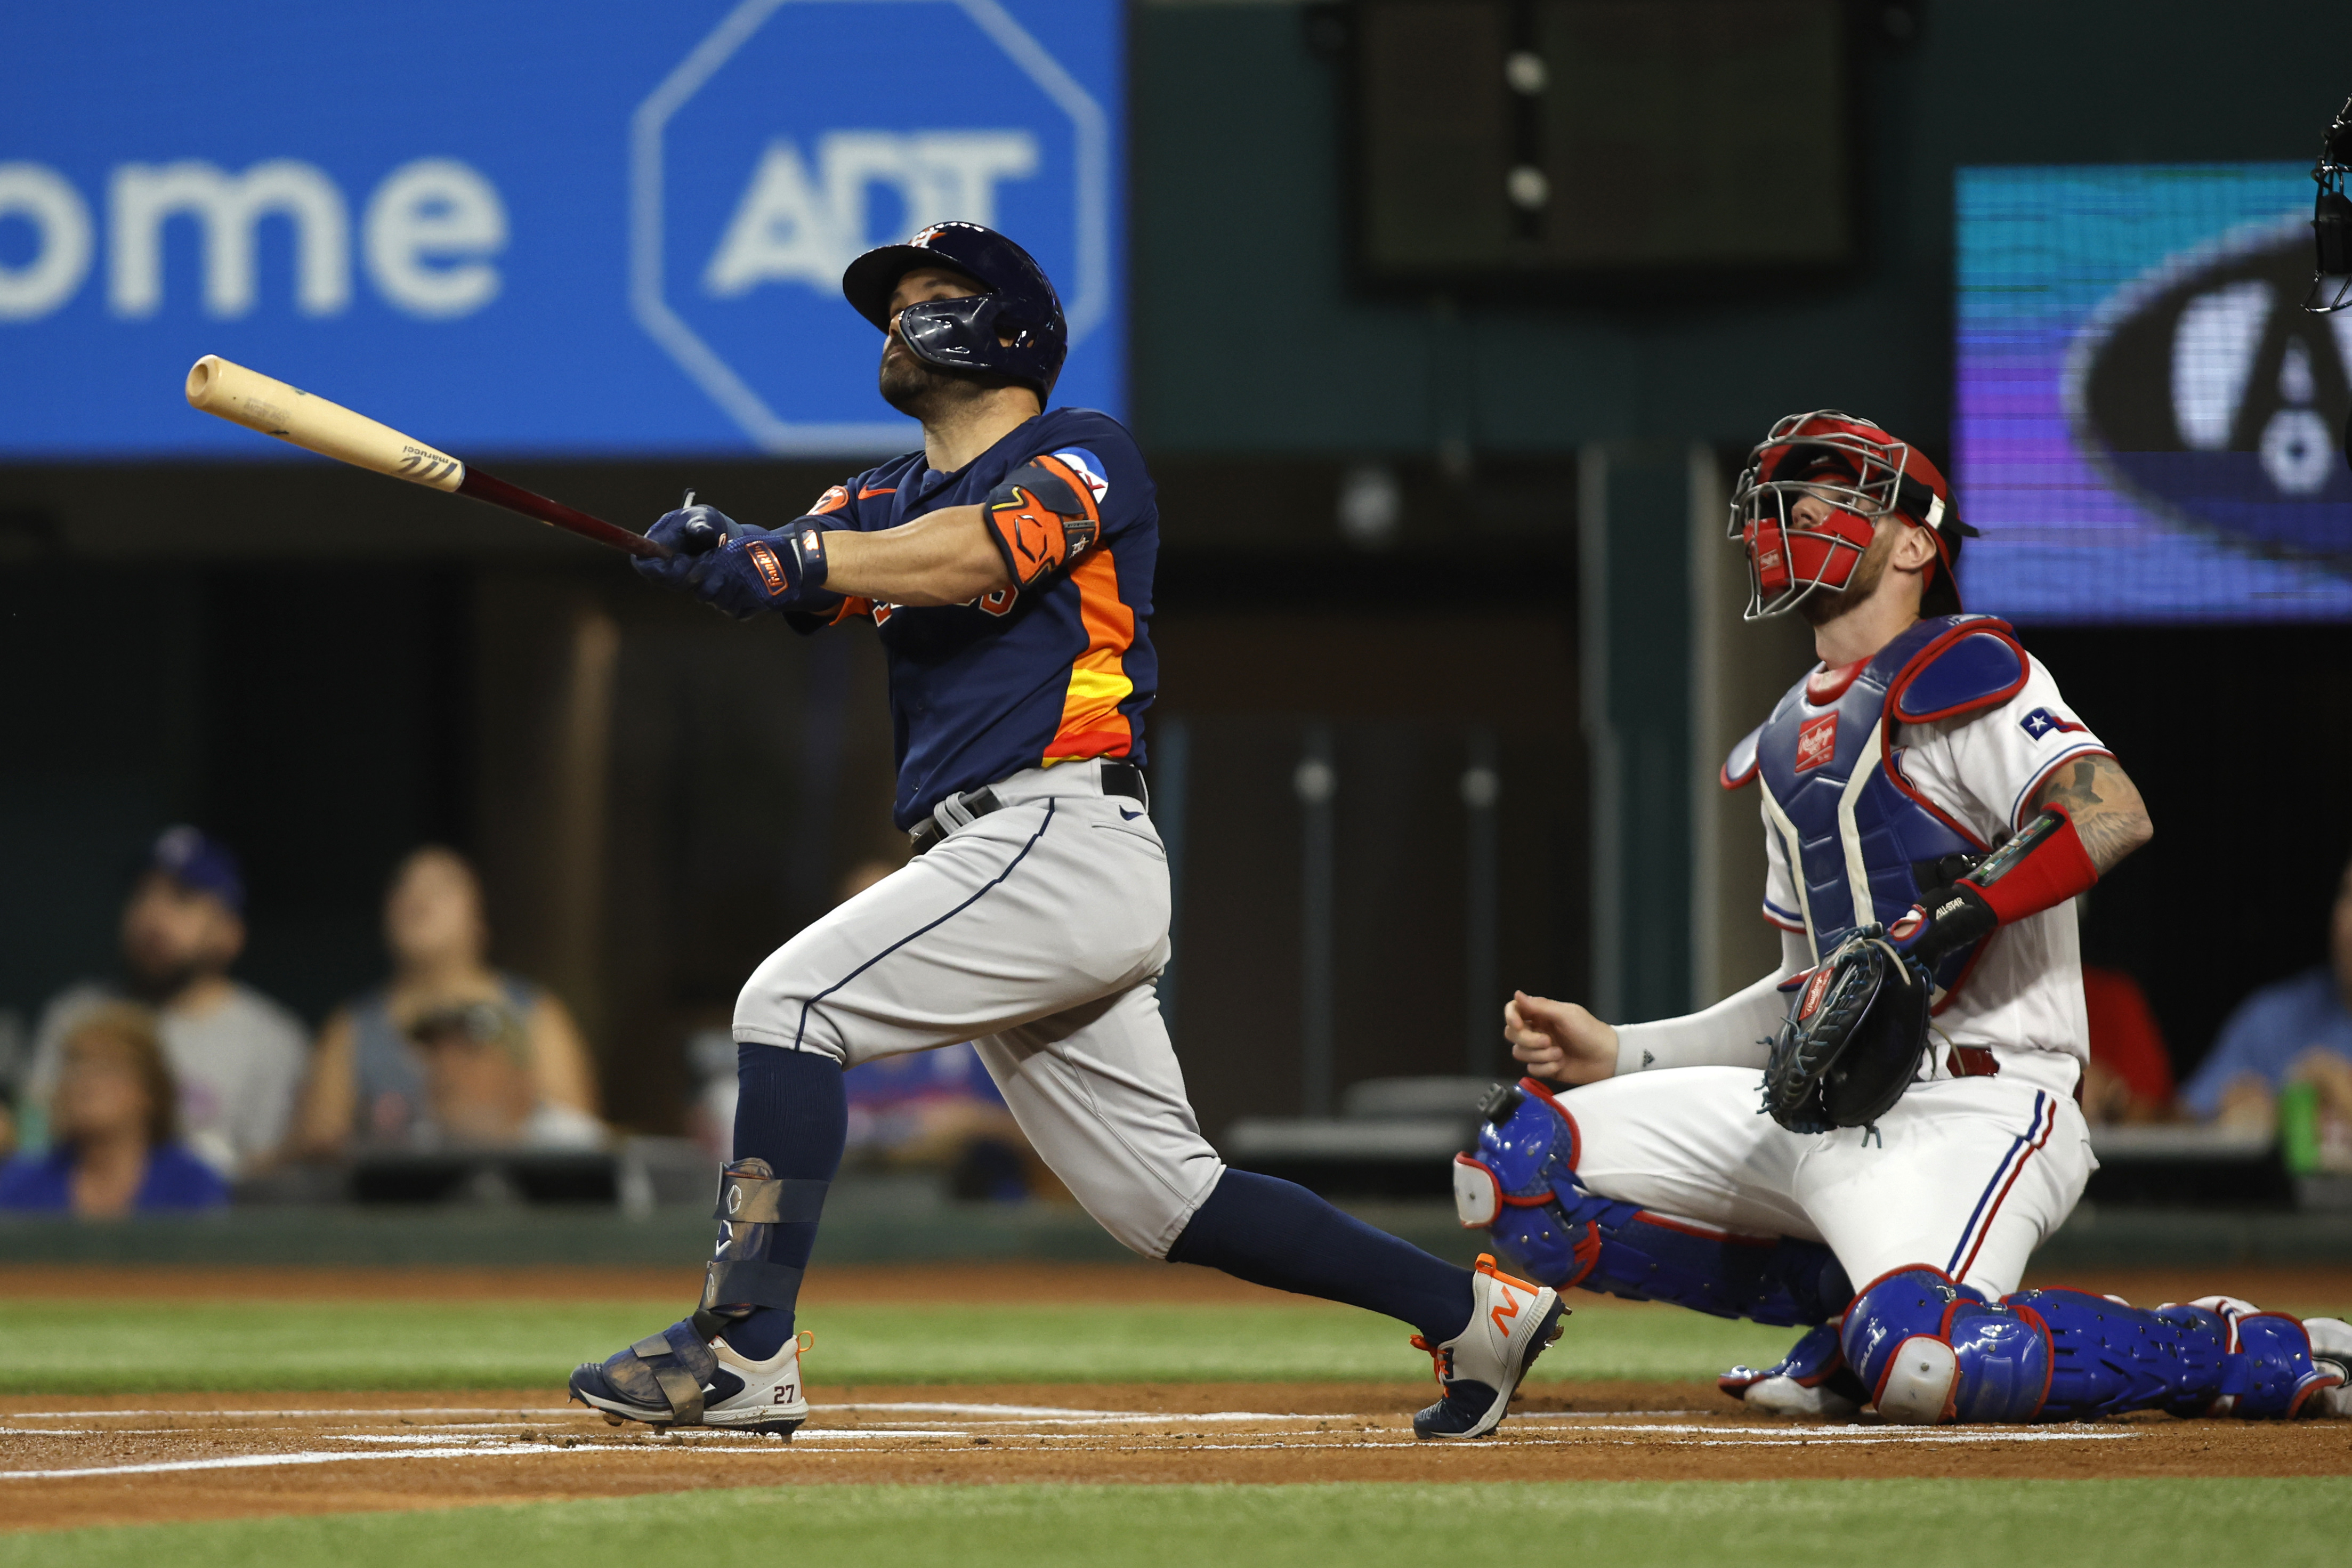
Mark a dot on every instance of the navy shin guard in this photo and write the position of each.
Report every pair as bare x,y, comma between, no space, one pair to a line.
1521,1187
792,1123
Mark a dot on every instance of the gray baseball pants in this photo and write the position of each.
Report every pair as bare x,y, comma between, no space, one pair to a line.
1039,934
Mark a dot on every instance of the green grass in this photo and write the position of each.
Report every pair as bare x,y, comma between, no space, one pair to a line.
118,1347
1624,1524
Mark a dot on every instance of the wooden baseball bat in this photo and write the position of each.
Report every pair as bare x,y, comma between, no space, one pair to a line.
249,399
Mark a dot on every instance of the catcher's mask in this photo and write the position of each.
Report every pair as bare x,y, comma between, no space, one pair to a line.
1864,474
2331,221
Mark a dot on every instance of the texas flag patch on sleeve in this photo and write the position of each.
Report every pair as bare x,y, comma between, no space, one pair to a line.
2048,721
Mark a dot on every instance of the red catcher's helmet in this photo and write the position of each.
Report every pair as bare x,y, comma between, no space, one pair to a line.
1865,474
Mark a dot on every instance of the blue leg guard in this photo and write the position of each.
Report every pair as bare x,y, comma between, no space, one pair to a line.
1931,1351
2213,1357
1521,1187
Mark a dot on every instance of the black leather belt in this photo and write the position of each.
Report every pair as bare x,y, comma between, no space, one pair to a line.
1118,778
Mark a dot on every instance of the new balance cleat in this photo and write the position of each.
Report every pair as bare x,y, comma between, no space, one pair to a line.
1511,1323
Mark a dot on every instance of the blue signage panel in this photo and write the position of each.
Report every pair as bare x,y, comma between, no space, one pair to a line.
586,227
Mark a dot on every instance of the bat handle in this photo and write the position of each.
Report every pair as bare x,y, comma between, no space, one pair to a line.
514,498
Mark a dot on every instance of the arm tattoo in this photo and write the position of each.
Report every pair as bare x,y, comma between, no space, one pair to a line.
2111,825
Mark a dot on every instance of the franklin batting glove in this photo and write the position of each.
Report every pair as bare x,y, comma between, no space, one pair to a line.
759,570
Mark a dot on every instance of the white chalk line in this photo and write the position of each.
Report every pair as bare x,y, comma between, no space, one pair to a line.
264,1461
393,1414
1624,1426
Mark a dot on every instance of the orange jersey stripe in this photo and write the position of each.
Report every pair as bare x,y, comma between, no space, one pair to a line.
1092,725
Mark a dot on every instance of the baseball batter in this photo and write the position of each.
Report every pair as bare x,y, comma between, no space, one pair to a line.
1931,805
1007,569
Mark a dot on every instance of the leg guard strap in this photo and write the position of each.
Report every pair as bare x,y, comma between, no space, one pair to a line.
667,1368
740,1279
748,1197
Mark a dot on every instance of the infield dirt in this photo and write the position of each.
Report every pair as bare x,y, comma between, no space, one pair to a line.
68,1461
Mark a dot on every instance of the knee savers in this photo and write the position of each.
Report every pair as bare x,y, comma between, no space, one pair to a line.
1521,1188
1929,1351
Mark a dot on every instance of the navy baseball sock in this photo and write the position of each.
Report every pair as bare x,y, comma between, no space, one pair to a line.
1276,1233
791,1112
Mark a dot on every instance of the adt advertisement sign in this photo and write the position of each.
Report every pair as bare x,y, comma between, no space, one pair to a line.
584,227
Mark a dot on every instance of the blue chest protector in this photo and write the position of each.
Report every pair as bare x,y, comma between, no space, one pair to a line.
1861,843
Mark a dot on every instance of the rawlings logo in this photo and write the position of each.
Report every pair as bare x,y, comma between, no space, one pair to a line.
1816,742
1813,992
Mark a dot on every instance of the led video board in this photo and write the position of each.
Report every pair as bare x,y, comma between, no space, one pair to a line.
2148,426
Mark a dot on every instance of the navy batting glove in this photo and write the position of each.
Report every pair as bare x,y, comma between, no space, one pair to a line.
691,534
760,570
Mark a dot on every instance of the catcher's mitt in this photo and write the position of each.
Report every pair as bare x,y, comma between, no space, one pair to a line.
1851,1043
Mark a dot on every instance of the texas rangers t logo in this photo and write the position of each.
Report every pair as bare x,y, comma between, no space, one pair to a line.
1816,742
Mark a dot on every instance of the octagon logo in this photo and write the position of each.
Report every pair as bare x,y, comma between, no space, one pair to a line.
800,132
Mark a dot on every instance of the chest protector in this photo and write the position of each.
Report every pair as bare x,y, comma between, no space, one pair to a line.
1861,842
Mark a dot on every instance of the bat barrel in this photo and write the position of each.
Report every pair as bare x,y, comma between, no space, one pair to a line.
262,403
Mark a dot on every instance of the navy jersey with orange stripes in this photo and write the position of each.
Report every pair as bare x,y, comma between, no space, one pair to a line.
1059,670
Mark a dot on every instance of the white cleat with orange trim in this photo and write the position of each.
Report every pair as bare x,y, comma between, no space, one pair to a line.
1511,1322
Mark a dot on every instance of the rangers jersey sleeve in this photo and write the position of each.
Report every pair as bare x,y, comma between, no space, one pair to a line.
1982,772
1986,768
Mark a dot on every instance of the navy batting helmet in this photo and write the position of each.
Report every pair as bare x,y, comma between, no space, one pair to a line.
963,334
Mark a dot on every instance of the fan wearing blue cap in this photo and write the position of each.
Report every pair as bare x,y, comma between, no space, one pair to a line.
238,1056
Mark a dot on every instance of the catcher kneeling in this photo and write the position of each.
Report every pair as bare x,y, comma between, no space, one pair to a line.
1931,807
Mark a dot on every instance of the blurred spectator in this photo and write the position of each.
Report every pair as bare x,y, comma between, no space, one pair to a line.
2297,1031
114,1120
940,1110
451,1050
934,1110
479,1090
2129,1075
236,1056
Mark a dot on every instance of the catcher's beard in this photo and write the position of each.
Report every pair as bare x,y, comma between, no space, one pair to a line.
925,392
1826,603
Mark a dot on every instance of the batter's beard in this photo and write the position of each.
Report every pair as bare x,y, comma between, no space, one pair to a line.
925,392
